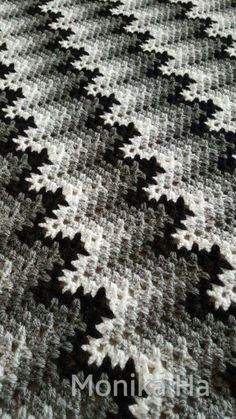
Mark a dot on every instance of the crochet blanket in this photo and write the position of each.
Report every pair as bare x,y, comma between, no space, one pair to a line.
117,213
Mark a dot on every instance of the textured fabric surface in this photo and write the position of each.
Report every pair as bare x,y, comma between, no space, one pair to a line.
117,213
